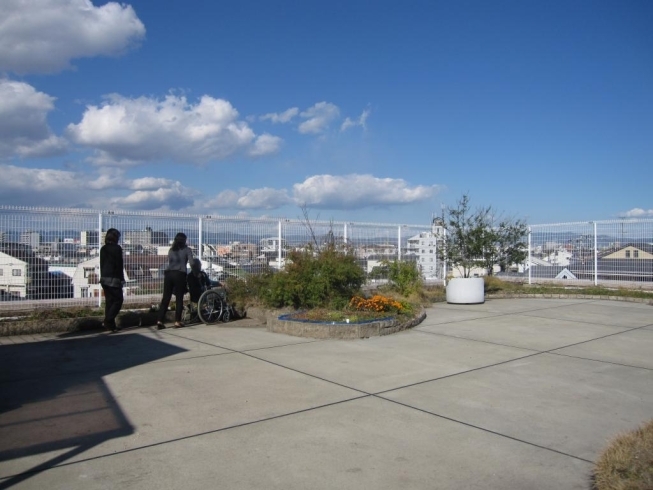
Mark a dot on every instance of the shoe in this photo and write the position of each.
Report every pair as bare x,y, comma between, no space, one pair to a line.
113,328
160,326
179,325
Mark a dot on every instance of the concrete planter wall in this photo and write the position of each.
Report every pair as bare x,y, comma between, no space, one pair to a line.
466,291
317,330
126,319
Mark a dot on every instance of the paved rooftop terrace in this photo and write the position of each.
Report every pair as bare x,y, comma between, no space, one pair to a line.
512,394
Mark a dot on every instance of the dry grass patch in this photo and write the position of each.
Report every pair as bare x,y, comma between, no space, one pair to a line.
627,462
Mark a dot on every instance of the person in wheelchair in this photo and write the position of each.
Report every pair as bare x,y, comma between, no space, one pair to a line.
198,282
212,310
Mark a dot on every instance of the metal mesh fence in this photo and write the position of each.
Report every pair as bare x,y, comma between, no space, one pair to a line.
611,253
50,257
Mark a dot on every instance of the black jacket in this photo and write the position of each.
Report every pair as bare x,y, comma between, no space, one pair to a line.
197,285
112,271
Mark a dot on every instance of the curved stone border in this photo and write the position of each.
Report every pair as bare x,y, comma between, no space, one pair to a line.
317,330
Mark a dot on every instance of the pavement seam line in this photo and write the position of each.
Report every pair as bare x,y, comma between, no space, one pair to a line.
246,353
191,436
474,340
583,322
311,341
467,424
549,351
457,374
600,360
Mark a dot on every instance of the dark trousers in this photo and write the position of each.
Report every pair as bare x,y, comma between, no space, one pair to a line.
113,303
174,282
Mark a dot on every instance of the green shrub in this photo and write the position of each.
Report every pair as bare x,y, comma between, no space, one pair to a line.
404,277
249,290
379,272
627,462
312,278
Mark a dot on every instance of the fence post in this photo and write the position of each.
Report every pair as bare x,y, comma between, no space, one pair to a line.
345,233
398,243
529,264
279,252
199,239
596,258
444,257
99,245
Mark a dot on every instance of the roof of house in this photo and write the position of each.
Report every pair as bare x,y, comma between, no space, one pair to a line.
644,247
23,253
147,261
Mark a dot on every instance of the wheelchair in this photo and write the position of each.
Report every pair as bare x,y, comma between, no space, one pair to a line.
213,306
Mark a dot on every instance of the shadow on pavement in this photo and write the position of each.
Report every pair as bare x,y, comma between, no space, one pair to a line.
53,396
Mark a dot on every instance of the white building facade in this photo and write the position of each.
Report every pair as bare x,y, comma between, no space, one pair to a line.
424,247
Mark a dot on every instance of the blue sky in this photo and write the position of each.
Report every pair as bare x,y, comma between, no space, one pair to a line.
361,111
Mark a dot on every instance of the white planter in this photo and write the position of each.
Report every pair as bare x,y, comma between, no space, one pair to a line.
466,291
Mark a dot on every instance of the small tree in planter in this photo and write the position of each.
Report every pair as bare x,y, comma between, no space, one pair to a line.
479,239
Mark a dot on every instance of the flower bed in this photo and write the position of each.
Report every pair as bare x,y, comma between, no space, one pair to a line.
293,324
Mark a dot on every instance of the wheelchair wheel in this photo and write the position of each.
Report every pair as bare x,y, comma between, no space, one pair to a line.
210,307
226,315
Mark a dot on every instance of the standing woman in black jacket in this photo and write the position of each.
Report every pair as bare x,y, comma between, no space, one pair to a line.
174,280
112,277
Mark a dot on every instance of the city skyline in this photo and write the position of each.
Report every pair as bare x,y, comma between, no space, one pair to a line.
382,114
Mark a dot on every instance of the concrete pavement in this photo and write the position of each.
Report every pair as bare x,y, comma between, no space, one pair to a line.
511,394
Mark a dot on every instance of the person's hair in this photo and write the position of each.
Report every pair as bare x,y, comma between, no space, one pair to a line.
196,265
179,242
112,236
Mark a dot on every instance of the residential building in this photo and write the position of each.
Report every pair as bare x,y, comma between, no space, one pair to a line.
31,239
86,280
424,249
142,272
90,238
22,273
641,251
560,256
146,237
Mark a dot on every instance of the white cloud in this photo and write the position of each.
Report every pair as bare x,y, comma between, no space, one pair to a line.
361,121
265,144
150,183
111,187
318,117
638,213
283,117
131,131
114,179
40,187
358,191
108,187
24,130
43,36
328,192
173,198
264,198
108,178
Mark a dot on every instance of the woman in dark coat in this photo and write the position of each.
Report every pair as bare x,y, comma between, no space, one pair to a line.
112,277
174,280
